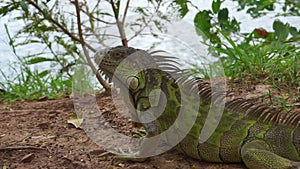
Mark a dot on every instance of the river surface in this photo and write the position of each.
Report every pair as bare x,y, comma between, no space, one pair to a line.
180,40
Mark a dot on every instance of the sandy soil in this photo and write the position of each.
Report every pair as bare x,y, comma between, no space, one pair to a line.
35,134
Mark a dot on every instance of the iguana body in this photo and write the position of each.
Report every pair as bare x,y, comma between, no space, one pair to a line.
247,133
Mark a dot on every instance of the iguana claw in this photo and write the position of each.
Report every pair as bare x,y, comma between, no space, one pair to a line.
131,156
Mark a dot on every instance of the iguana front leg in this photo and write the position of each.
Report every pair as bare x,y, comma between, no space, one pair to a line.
148,146
148,149
257,154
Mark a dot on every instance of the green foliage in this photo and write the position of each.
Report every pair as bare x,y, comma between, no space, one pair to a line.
53,26
5,9
183,6
203,24
278,102
41,30
260,8
206,27
274,63
216,6
282,31
258,56
31,85
256,8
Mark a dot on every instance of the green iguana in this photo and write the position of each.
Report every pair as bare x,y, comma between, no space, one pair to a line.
256,135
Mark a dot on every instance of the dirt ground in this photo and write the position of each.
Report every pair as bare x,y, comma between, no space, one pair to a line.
35,134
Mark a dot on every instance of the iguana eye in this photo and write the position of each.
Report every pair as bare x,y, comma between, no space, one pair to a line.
133,82
118,54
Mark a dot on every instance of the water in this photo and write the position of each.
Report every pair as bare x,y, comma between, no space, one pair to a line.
181,39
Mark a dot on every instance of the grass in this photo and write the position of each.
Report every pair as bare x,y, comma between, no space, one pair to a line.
33,85
29,84
270,61
273,62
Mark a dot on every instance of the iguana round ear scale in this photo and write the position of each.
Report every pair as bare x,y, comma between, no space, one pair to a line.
133,82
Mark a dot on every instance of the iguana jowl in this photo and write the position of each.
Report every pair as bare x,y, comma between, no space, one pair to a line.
253,134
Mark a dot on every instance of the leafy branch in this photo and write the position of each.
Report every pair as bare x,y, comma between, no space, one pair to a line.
120,24
61,34
86,53
79,39
63,28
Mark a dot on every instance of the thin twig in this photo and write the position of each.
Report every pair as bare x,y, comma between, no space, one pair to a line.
60,25
141,29
144,27
86,53
21,148
120,25
139,32
104,154
55,55
101,34
114,10
100,40
95,8
97,19
125,12
91,28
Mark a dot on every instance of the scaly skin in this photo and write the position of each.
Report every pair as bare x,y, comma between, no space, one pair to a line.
247,133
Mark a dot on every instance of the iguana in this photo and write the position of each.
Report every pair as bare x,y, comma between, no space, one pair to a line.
252,133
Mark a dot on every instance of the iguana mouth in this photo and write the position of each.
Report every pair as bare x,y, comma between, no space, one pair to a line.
107,62
105,65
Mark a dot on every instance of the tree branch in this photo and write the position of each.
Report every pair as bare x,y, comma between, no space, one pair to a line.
86,53
125,12
66,31
119,24
97,19
145,26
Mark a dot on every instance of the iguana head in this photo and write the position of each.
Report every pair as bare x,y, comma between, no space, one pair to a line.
125,66
108,60
130,66
145,76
